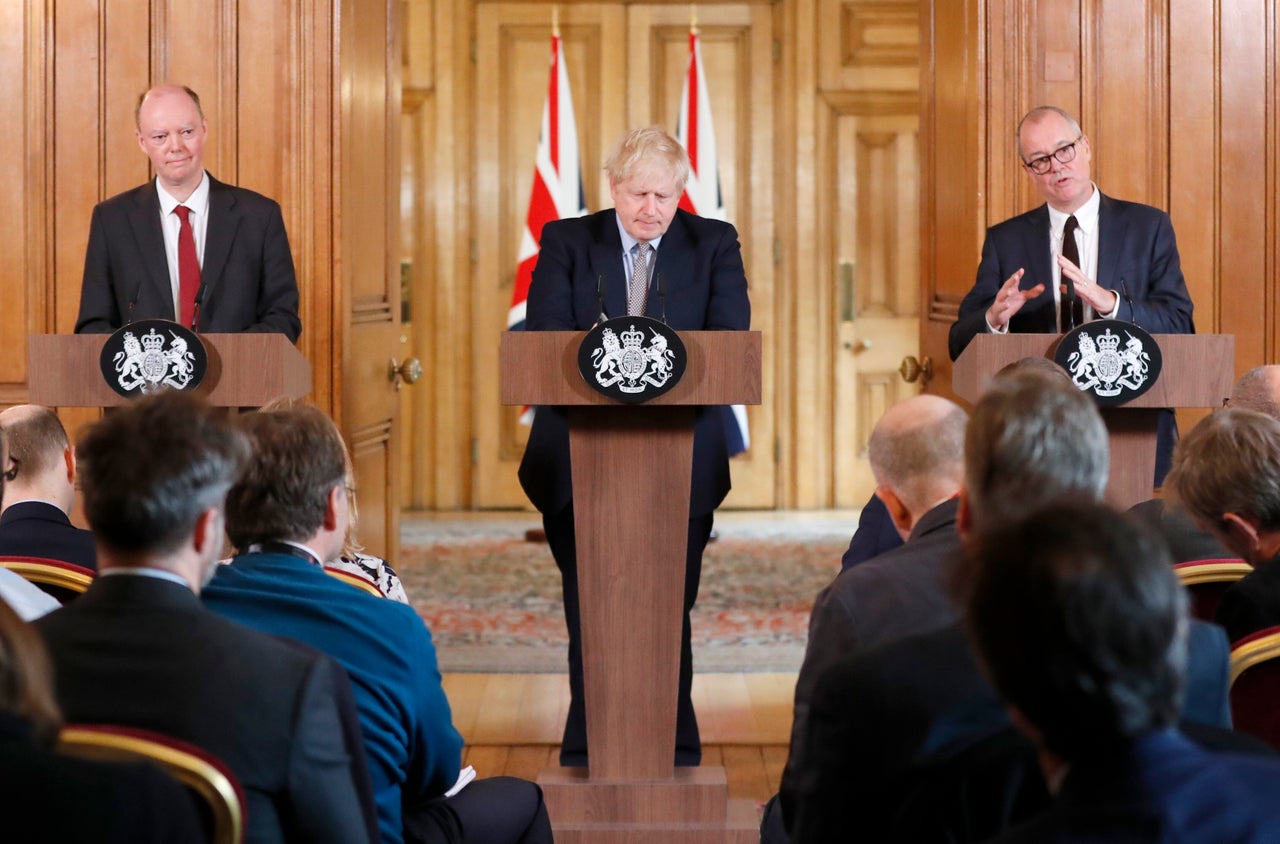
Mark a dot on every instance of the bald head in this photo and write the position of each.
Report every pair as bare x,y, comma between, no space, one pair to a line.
916,453
1258,390
41,464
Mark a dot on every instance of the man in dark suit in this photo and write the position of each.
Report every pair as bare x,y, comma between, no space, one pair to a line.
1121,261
185,246
916,454
138,649
1032,438
40,490
1083,634
644,256
1224,474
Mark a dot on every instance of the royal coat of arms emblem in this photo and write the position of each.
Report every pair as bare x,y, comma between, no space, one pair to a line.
1115,361
147,356
618,359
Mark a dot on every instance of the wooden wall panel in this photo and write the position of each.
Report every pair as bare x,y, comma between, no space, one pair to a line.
1179,99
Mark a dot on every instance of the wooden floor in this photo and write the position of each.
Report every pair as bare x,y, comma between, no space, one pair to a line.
512,724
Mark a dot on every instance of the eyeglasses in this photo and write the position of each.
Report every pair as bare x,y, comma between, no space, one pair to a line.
1044,163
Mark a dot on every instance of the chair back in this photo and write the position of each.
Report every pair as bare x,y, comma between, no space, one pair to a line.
1255,685
1206,580
200,771
45,572
353,579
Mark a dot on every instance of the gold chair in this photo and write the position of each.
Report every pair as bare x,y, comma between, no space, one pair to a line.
1255,684
1206,580
353,579
47,572
194,768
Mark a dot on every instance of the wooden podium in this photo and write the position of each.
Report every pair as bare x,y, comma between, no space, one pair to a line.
632,466
245,370
1198,371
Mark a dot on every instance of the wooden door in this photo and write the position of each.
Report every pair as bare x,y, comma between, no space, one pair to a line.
368,264
644,48
872,249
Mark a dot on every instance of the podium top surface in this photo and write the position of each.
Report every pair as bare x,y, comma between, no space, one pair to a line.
245,370
1198,369
541,367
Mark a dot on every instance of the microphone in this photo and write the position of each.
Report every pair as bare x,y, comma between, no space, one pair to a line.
195,312
133,300
600,296
1067,306
662,299
1124,292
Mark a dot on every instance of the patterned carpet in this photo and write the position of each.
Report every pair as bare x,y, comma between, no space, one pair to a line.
492,600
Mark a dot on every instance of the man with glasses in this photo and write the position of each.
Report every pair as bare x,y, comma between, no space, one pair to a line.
1119,259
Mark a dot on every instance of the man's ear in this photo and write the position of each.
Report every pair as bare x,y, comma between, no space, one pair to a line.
898,511
208,530
1241,534
69,457
331,505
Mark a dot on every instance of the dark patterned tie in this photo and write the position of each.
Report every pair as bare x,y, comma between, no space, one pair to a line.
1070,306
638,290
188,269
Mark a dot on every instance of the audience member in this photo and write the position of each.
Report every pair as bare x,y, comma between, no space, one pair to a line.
138,649
352,557
916,455
286,515
1083,633
40,490
875,534
48,797
24,597
1258,390
1226,473
1032,439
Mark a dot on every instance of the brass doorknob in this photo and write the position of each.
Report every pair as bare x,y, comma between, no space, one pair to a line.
405,373
913,370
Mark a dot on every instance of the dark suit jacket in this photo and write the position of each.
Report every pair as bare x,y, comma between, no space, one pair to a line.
1136,246
874,535
143,652
700,264
48,797
901,593
1161,787
41,529
875,714
247,272
1180,532
1252,603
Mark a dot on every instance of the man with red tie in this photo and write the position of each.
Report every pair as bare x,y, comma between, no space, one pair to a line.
185,246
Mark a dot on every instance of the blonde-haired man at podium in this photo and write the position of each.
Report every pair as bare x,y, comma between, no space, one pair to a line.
644,256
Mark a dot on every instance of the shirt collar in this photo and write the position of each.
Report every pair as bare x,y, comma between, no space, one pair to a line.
629,242
284,546
1086,215
145,571
197,202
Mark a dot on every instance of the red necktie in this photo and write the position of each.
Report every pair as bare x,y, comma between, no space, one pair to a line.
188,269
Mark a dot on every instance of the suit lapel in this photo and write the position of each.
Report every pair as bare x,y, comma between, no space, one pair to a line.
1039,264
144,221
606,260
224,219
675,258
1111,232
